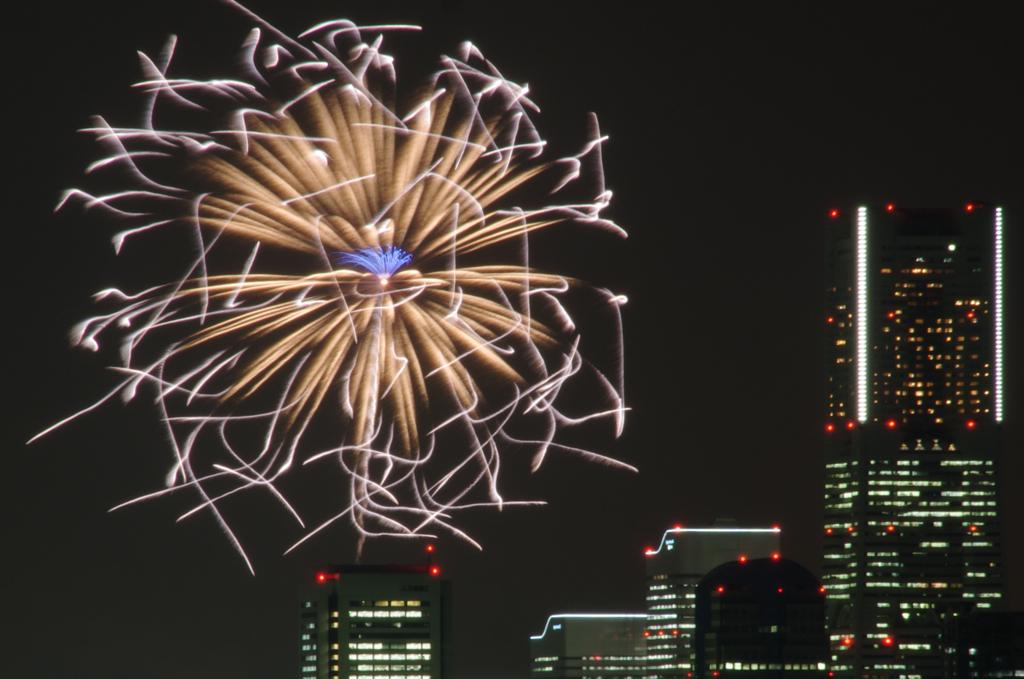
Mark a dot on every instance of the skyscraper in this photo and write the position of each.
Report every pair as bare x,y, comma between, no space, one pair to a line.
914,408
674,568
376,621
589,645
760,618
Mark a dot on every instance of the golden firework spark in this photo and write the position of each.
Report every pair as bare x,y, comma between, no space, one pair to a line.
380,309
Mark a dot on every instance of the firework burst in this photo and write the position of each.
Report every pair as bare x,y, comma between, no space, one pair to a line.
399,323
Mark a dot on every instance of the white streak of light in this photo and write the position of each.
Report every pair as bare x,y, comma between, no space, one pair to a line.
862,314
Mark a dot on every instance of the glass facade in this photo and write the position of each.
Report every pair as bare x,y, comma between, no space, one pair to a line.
912,431
760,618
986,645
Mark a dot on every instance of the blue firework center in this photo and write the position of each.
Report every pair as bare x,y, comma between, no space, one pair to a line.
380,261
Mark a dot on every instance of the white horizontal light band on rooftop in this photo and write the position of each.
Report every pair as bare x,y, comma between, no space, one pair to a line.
586,616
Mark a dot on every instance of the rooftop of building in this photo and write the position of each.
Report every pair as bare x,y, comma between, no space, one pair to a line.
755,577
722,526
336,571
587,617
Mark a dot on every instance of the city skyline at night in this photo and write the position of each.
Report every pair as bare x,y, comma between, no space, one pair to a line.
732,134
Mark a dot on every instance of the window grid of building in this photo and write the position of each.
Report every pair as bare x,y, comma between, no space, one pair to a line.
375,622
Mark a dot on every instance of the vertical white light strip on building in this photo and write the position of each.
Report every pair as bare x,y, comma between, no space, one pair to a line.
997,371
862,314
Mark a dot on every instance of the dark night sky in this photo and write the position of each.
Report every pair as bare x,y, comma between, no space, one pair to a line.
733,130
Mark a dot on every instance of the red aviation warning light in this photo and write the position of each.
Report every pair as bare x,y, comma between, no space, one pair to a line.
430,548
847,641
970,424
890,528
720,589
435,571
833,213
890,424
743,558
648,551
321,577
889,207
969,207
776,556
829,427
888,641
851,425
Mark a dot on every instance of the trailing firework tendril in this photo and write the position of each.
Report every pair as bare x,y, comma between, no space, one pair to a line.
361,274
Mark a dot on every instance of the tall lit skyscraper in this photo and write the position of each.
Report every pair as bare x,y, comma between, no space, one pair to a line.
914,409
674,568
376,621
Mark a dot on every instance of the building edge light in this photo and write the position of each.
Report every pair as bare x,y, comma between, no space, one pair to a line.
587,616
672,531
997,372
724,530
862,314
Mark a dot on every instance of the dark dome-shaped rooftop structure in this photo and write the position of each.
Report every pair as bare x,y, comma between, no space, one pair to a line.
761,616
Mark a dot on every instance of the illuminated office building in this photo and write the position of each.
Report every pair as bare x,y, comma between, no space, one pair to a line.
914,407
375,622
760,618
594,645
674,568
